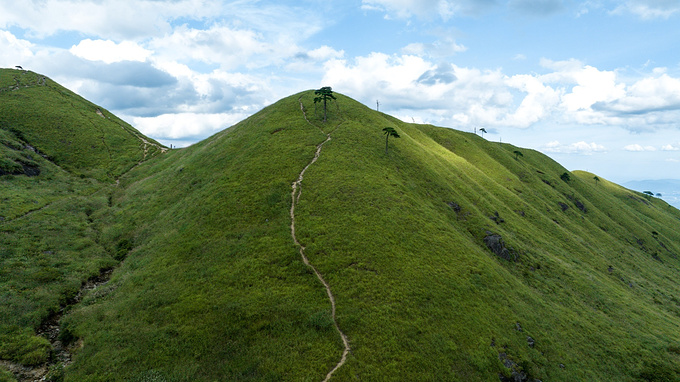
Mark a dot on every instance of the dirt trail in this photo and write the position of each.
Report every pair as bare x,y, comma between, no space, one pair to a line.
295,197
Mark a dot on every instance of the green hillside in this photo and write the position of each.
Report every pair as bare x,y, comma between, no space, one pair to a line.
60,156
449,258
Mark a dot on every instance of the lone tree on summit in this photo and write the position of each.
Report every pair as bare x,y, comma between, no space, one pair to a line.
389,131
324,94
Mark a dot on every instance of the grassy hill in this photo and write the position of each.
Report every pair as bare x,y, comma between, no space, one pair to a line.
59,158
449,258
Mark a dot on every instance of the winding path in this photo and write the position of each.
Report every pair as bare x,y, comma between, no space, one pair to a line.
295,198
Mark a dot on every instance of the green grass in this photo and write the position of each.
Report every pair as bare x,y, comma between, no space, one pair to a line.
53,195
67,128
212,287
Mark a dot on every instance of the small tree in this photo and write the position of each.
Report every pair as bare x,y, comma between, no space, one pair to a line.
324,94
565,177
482,130
518,154
389,131
597,180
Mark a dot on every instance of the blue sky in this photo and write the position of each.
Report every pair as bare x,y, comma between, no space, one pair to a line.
595,84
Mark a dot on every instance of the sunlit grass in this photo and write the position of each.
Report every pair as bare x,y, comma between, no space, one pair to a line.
214,288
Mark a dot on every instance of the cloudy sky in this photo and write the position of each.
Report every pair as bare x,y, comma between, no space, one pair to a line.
595,84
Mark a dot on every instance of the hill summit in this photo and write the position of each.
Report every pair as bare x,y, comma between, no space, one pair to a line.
289,248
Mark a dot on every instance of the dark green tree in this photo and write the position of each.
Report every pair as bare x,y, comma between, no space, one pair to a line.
565,177
389,131
518,154
324,94
482,130
597,180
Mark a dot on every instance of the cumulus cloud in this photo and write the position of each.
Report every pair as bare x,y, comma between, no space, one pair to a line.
109,51
133,74
671,147
639,148
193,126
582,148
646,95
455,95
14,51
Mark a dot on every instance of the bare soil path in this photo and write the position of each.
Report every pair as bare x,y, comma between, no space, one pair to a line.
295,197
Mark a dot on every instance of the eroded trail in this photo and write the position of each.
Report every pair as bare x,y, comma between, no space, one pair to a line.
295,198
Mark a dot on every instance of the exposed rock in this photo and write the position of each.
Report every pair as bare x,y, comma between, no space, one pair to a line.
455,206
496,217
580,205
497,246
516,373
531,342
563,206
30,170
518,327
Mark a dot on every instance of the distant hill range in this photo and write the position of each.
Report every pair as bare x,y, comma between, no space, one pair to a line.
668,188
304,244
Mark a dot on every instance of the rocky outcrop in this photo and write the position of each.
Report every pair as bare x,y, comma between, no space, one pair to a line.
496,244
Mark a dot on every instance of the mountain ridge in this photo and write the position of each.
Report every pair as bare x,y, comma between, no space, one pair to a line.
449,257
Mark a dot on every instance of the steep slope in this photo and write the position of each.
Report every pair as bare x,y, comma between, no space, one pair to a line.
59,156
583,286
448,258
71,132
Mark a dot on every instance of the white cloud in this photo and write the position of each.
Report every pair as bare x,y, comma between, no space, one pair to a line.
324,53
183,125
650,94
540,100
639,148
142,19
109,52
590,85
649,9
117,20
581,147
14,51
670,147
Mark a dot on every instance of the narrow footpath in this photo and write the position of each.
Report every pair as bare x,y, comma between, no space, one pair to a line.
295,198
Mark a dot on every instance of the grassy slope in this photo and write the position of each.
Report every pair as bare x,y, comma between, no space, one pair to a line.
67,128
49,241
215,290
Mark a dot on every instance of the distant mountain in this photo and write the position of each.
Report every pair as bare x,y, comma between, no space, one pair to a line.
668,188
285,248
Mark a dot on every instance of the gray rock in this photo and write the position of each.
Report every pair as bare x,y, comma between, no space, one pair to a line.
497,246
